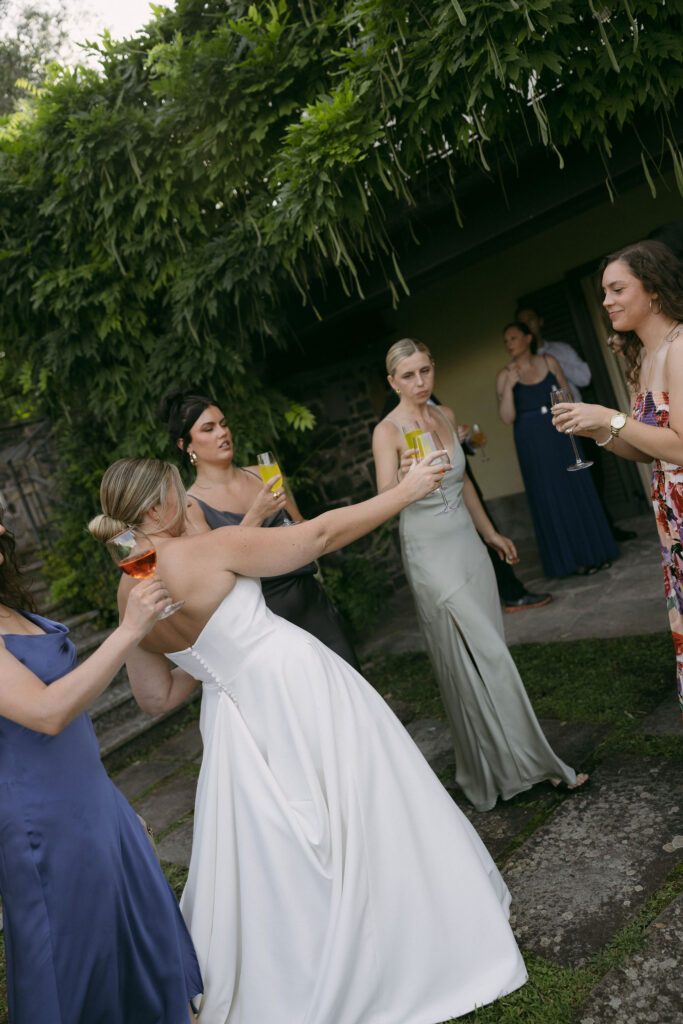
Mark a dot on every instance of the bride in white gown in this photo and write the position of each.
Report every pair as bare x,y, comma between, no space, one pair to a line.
332,879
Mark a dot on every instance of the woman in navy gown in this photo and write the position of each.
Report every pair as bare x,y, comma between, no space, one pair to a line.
228,495
93,932
571,528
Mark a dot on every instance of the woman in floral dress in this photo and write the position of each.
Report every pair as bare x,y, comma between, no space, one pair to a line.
643,297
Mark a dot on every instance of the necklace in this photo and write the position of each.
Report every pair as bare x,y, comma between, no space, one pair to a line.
210,487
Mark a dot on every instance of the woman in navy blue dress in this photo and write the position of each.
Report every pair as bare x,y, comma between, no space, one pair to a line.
93,932
571,528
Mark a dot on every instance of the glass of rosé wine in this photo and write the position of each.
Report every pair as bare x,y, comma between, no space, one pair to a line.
137,557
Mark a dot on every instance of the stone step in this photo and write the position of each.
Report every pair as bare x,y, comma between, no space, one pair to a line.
590,868
646,988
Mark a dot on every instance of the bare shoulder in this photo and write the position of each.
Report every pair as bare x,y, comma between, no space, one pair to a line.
385,433
552,361
448,413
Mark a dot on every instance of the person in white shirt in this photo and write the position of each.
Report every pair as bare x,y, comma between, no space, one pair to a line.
577,372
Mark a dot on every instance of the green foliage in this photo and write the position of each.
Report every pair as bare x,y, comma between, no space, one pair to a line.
28,44
359,587
160,214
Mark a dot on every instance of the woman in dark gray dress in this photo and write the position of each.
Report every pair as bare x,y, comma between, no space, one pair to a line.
228,495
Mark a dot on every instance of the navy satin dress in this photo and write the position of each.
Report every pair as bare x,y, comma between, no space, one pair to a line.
93,931
296,596
569,521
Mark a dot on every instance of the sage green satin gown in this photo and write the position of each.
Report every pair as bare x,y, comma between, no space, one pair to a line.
500,749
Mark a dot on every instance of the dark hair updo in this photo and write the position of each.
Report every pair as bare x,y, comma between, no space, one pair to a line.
525,329
14,590
180,410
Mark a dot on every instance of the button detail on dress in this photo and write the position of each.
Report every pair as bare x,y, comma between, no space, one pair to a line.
220,685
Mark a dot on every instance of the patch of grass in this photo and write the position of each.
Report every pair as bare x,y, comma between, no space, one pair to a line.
554,995
407,677
176,875
613,682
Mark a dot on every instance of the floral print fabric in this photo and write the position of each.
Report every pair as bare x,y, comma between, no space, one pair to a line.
667,500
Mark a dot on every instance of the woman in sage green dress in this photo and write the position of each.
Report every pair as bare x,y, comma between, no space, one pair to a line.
500,749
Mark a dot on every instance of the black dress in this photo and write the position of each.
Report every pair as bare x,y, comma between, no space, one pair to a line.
296,596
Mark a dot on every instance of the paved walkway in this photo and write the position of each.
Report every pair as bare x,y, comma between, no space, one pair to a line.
581,869
626,599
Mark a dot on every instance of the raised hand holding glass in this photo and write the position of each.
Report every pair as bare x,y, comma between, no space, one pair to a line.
269,468
136,556
428,442
558,395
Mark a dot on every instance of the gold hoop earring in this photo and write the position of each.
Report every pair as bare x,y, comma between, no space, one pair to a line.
656,311
192,456
397,391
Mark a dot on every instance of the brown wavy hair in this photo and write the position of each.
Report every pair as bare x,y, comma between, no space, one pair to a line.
14,590
661,273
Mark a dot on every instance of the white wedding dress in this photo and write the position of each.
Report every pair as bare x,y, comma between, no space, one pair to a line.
332,880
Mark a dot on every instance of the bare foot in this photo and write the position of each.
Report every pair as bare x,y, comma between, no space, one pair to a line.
581,778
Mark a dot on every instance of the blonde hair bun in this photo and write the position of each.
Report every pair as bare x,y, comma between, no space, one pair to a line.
129,489
104,527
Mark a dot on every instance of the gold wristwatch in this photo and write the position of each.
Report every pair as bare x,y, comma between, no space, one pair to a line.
616,423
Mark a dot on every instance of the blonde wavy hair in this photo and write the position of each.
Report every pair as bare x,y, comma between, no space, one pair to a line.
129,488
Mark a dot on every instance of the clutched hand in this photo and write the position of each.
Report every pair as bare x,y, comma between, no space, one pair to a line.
513,374
504,546
270,499
425,476
580,418
147,600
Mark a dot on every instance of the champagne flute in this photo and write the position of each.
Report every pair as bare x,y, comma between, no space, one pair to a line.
269,468
410,431
558,395
478,438
429,441
137,557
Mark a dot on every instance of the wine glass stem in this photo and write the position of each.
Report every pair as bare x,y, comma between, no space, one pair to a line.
576,450
443,497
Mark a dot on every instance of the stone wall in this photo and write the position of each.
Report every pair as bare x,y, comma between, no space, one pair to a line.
345,401
27,465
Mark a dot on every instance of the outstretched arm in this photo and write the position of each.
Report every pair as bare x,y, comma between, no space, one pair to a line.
252,552
25,699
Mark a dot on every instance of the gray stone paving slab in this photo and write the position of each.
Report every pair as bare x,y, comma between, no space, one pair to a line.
498,827
183,746
589,869
433,737
665,720
176,846
646,989
626,599
168,803
138,777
